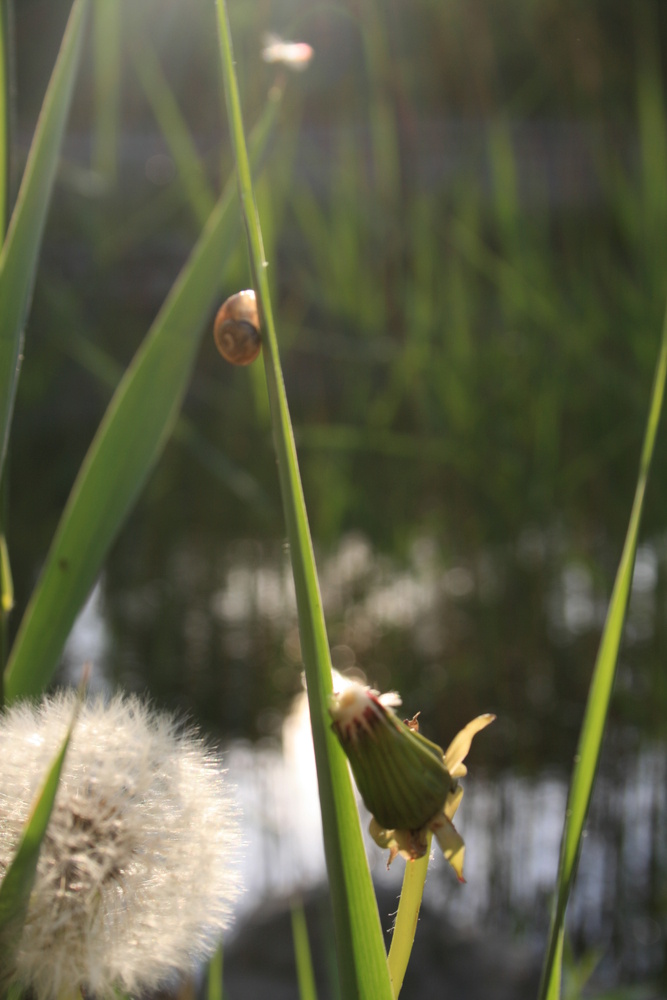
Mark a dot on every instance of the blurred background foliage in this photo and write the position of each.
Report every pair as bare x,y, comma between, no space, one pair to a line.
464,209
465,215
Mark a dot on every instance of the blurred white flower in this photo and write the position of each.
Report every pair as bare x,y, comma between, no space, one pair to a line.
136,875
294,55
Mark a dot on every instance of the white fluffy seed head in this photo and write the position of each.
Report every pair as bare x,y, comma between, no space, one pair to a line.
136,874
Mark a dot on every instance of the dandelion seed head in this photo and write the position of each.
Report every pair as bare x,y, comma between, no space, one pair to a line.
136,875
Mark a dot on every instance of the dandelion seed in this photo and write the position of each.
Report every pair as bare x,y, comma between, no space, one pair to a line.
136,875
407,783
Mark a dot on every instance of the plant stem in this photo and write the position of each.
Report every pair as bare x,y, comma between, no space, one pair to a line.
599,695
407,916
360,949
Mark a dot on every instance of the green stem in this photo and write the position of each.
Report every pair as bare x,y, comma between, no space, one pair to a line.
360,948
407,916
302,956
599,695
215,989
6,51
6,33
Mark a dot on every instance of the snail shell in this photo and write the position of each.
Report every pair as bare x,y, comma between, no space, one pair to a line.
236,329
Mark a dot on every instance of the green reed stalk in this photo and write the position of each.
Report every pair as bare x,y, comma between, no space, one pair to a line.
175,131
302,955
360,949
6,584
20,251
597,706
106,38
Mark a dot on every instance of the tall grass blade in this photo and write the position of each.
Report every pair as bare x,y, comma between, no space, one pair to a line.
302,956
6,585
107,54
18,260
597,706
360,948
108,372
5,111
17,881
130,438
175,131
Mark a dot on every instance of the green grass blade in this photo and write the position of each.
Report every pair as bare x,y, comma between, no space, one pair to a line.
5,112
554,983
17,882
595,715
64,307
18,260
175,131
107,55
128,442
360,948
302,956
6,594
6,583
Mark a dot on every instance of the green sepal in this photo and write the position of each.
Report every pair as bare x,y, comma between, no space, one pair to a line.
400,775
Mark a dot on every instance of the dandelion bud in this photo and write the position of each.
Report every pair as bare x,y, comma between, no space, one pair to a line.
401,776
136,876
406,782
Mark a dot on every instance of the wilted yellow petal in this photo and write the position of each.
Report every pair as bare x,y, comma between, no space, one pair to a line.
458,749
453,801
451,843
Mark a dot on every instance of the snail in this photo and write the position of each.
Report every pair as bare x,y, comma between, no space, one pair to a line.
236,329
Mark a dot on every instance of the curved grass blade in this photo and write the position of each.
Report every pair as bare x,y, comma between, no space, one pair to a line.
302,955
128,442
18,880
18,260
597,706
360,948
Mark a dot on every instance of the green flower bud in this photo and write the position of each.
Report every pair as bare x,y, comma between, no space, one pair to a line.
401,776
406,782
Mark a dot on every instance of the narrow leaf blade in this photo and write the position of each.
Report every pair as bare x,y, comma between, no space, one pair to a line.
599,695
17,883
360,948
302,955
127,445
19,256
